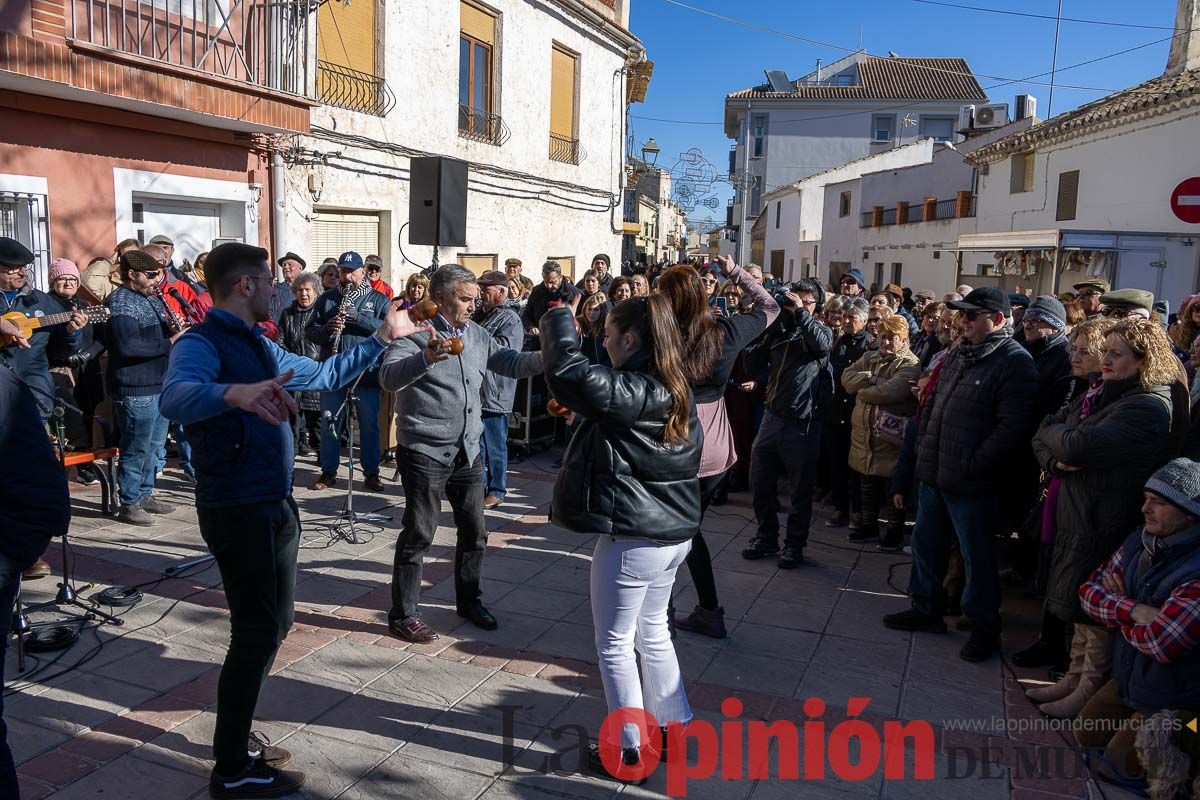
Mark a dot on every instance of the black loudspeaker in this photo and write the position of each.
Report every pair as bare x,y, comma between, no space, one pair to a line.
437,202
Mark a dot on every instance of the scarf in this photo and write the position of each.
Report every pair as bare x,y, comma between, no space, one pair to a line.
972,354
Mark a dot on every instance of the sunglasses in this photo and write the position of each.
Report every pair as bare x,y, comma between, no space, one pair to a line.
152,273
1117,312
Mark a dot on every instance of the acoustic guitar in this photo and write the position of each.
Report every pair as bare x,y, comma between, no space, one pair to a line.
28,325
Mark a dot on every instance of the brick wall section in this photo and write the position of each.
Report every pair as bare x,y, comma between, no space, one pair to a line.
49,58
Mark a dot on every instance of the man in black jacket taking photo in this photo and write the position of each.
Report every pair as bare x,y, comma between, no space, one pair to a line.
797,347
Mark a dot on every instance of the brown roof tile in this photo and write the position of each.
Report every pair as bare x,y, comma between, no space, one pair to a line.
890,79
1155,96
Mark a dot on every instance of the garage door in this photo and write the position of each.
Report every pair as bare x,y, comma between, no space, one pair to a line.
335,233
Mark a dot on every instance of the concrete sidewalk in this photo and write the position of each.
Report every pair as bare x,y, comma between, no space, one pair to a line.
128,711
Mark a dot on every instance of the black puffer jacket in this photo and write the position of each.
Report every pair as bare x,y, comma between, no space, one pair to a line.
980,417
293,323
1117,447
848,348
617,476
797,348
1053,364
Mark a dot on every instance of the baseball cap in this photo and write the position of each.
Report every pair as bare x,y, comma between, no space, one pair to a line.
350,260
985,298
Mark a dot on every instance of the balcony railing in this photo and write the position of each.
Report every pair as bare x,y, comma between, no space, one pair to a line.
260,42
479,126
565,149
353,90
945,209
920,212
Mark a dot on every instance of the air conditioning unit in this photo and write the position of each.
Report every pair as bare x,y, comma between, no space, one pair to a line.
966,116
992,116
1026,106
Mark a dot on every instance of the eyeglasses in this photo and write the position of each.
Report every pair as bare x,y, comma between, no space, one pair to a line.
1091,293
974,315
68,281
11,268
1117,312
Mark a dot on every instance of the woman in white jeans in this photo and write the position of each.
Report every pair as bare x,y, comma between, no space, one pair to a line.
629,474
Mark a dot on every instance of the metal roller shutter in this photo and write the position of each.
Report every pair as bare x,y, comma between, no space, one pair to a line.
335,233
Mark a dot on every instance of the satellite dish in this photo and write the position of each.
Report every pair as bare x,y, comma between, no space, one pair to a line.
779,80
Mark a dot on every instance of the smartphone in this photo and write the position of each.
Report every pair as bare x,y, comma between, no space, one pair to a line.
722,306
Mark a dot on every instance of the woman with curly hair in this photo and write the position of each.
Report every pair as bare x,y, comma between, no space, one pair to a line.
1185,330
1102,448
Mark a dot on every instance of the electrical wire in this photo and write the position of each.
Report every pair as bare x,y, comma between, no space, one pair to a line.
1048,16
913,103
926,67
95,626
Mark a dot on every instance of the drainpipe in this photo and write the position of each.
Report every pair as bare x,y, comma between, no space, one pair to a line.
278,207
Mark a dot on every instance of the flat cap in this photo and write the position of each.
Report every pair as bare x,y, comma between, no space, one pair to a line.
13,253
1138,298
1098,284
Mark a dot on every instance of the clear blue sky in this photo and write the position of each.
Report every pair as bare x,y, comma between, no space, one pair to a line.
699,59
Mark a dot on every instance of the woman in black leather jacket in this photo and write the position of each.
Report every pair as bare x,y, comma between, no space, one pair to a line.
292,322
629,474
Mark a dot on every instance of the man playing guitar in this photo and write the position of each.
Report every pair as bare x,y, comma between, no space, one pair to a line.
17,295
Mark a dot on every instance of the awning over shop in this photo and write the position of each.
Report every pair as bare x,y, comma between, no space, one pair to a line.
1009,240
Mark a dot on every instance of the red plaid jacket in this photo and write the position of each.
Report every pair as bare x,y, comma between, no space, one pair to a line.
1175,630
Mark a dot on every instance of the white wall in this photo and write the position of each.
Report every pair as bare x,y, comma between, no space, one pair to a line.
800,234
1127,175
422,71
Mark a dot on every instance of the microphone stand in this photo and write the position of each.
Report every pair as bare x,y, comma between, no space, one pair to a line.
343,527
67,595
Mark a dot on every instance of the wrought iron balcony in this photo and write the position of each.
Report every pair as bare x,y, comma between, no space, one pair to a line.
565,149
479,126
260,42
353,90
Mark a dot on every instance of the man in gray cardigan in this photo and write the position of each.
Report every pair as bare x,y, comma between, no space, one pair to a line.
439,422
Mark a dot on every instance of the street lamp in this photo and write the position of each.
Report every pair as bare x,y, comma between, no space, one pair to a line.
650,151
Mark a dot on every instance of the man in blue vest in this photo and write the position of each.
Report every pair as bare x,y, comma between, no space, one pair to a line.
1149,592
228,385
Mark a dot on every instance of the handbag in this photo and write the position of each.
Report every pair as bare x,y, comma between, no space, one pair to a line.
889,427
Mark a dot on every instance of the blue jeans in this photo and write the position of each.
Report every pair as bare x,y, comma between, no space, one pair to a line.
367,426
494,447
973,518
181,442
143,432
10,580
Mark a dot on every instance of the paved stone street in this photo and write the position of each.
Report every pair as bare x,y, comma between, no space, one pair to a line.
369,716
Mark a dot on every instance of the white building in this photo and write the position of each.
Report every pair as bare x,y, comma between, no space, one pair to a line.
901,224
1090,192
792,217
858,106
531,94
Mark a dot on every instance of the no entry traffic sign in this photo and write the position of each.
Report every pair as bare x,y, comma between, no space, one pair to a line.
1185,201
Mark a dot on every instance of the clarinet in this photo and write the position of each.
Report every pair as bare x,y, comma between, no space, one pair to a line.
349,295
175,323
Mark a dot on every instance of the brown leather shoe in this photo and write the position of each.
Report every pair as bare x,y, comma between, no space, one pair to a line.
491,501
412,629
327,481
372,483
40,569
